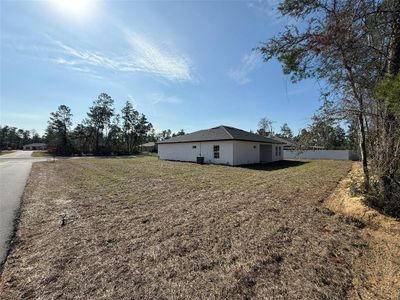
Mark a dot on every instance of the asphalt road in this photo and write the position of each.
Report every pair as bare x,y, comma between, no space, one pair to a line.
14,171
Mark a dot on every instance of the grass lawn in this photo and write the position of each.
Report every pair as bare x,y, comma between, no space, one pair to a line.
6,152
41,154
143,228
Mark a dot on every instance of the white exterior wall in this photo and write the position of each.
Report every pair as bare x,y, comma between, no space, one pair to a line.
321,154
186,152
244,153
232,153
274,156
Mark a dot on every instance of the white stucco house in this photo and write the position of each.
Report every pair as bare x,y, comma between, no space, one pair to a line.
221,145
35,146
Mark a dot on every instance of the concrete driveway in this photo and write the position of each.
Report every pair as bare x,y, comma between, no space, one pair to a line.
14,171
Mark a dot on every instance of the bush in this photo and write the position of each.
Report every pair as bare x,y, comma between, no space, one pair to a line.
389,206
356,188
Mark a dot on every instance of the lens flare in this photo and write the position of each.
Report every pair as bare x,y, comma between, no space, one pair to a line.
74,8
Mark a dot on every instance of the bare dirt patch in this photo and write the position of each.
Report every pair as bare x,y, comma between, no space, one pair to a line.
147,229
377,271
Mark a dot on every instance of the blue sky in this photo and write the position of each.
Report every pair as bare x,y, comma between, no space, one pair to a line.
184,65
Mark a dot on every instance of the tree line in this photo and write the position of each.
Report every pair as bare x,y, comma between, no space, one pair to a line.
352,47
102,132
323,132
14,138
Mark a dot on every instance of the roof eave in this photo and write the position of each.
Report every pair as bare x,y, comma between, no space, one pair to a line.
220,140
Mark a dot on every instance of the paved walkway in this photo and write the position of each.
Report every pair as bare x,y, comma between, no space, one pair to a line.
14,171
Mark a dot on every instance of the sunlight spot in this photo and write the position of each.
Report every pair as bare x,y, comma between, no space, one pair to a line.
74,8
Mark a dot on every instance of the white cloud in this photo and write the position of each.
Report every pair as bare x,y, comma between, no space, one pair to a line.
143,56
250,62
151,58
161,98
140,55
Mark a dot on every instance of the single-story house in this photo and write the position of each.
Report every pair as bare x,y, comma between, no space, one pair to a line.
288,143
221,145
35,146
150,146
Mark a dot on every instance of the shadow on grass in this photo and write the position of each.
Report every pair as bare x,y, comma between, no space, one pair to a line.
389,208
277,165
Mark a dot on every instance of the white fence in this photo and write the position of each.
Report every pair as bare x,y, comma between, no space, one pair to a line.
321,154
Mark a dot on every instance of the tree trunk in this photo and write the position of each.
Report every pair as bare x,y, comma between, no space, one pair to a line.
97,140
363,151
361,125
360,118
127,142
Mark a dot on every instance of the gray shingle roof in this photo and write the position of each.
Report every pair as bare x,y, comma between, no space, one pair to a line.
220,133
35,145
149,144
286,141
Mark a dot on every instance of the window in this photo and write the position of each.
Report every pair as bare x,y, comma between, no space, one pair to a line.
216,151
278,150
194,147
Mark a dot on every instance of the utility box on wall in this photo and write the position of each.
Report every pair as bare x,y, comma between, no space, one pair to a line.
200,159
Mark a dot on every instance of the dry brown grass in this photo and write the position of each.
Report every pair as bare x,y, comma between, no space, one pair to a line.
2,152
377,271
147,229
41,154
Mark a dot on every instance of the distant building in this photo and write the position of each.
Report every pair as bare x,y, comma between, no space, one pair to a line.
317,147
35,146
150,146
288,143
291,145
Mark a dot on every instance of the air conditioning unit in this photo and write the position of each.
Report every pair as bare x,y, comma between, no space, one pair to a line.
200,159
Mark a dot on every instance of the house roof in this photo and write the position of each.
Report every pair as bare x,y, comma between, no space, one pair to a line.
35,145
221,133
149,144
286,141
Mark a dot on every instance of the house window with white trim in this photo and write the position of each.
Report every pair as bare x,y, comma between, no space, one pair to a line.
280,150
276,150
216,151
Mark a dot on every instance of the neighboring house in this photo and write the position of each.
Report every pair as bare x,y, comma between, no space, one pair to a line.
221,145
35,146
150,146
316,148
288,144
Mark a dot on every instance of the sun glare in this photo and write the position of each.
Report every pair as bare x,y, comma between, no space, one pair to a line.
74,8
